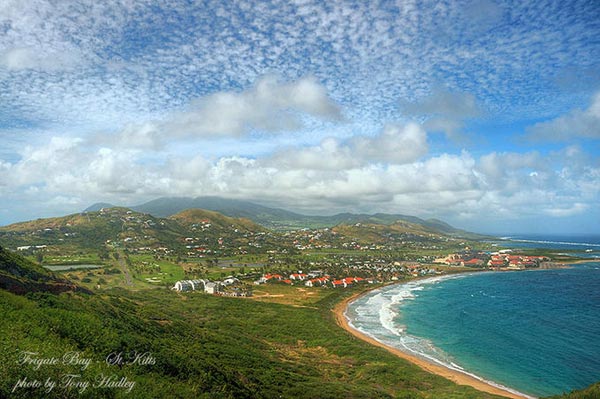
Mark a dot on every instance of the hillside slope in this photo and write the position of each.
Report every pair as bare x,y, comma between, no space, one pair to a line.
281,219
200,346
20,276
191,218
91,229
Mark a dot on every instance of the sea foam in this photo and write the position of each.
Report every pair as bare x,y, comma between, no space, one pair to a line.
377,316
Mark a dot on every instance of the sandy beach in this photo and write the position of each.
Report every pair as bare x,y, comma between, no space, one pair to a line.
453,375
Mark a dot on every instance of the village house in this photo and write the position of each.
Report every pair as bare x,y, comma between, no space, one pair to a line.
339,284
317,282
473,262
298,276
269,277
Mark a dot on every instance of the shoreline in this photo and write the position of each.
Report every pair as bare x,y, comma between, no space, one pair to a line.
455,376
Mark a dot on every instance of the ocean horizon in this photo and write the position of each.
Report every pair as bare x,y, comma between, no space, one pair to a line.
535,332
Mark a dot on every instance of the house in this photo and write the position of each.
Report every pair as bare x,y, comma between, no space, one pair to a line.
473,262
317,282
298,276
496,263
269,277
212,287
339,284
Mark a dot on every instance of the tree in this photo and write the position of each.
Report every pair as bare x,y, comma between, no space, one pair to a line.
103,254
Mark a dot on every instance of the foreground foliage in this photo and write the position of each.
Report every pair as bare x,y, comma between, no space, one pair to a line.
592,392
191,346
201,346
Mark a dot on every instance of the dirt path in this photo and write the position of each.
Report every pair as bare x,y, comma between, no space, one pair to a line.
124,269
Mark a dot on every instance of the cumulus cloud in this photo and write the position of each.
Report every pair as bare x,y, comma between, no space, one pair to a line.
270,105
396,144
146,136
445,111
496,185
577,123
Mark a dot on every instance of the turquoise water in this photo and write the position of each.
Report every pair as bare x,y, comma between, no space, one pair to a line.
537,332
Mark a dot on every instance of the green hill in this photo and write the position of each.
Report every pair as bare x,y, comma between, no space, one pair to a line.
95,229
92,229
396,232
195,346
20,276
196,218
280,219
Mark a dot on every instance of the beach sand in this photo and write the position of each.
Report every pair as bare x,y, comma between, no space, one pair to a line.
452,375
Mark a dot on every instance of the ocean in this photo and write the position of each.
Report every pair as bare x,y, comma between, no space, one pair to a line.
536,332
582,246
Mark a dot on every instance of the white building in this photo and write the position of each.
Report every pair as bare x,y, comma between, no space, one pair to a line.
191,285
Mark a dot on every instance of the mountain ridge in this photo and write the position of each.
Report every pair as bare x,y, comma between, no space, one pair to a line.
281,219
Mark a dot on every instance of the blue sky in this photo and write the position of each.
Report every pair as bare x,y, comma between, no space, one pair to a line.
483,113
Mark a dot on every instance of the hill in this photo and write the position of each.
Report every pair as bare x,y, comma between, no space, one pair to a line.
20,276
397,232
280,219
98,206
234,208
194,218
114,229
92,229
198,346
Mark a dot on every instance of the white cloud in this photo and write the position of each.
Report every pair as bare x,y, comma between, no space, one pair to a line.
73,67
445,111
496,186
577,123
395,144
269,105
133,136
576,209
19,58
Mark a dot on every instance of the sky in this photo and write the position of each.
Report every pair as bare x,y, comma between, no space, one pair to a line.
482,113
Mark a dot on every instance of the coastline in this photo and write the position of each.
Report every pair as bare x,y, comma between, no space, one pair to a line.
455,376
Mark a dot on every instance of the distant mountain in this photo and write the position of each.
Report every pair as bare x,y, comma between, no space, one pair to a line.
163,207
280,219
98,206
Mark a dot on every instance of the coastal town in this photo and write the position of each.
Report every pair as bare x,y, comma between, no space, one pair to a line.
204,251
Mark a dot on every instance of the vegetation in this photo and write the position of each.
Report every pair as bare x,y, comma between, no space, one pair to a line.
19,275
195,345
592,392
282,342
279,219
